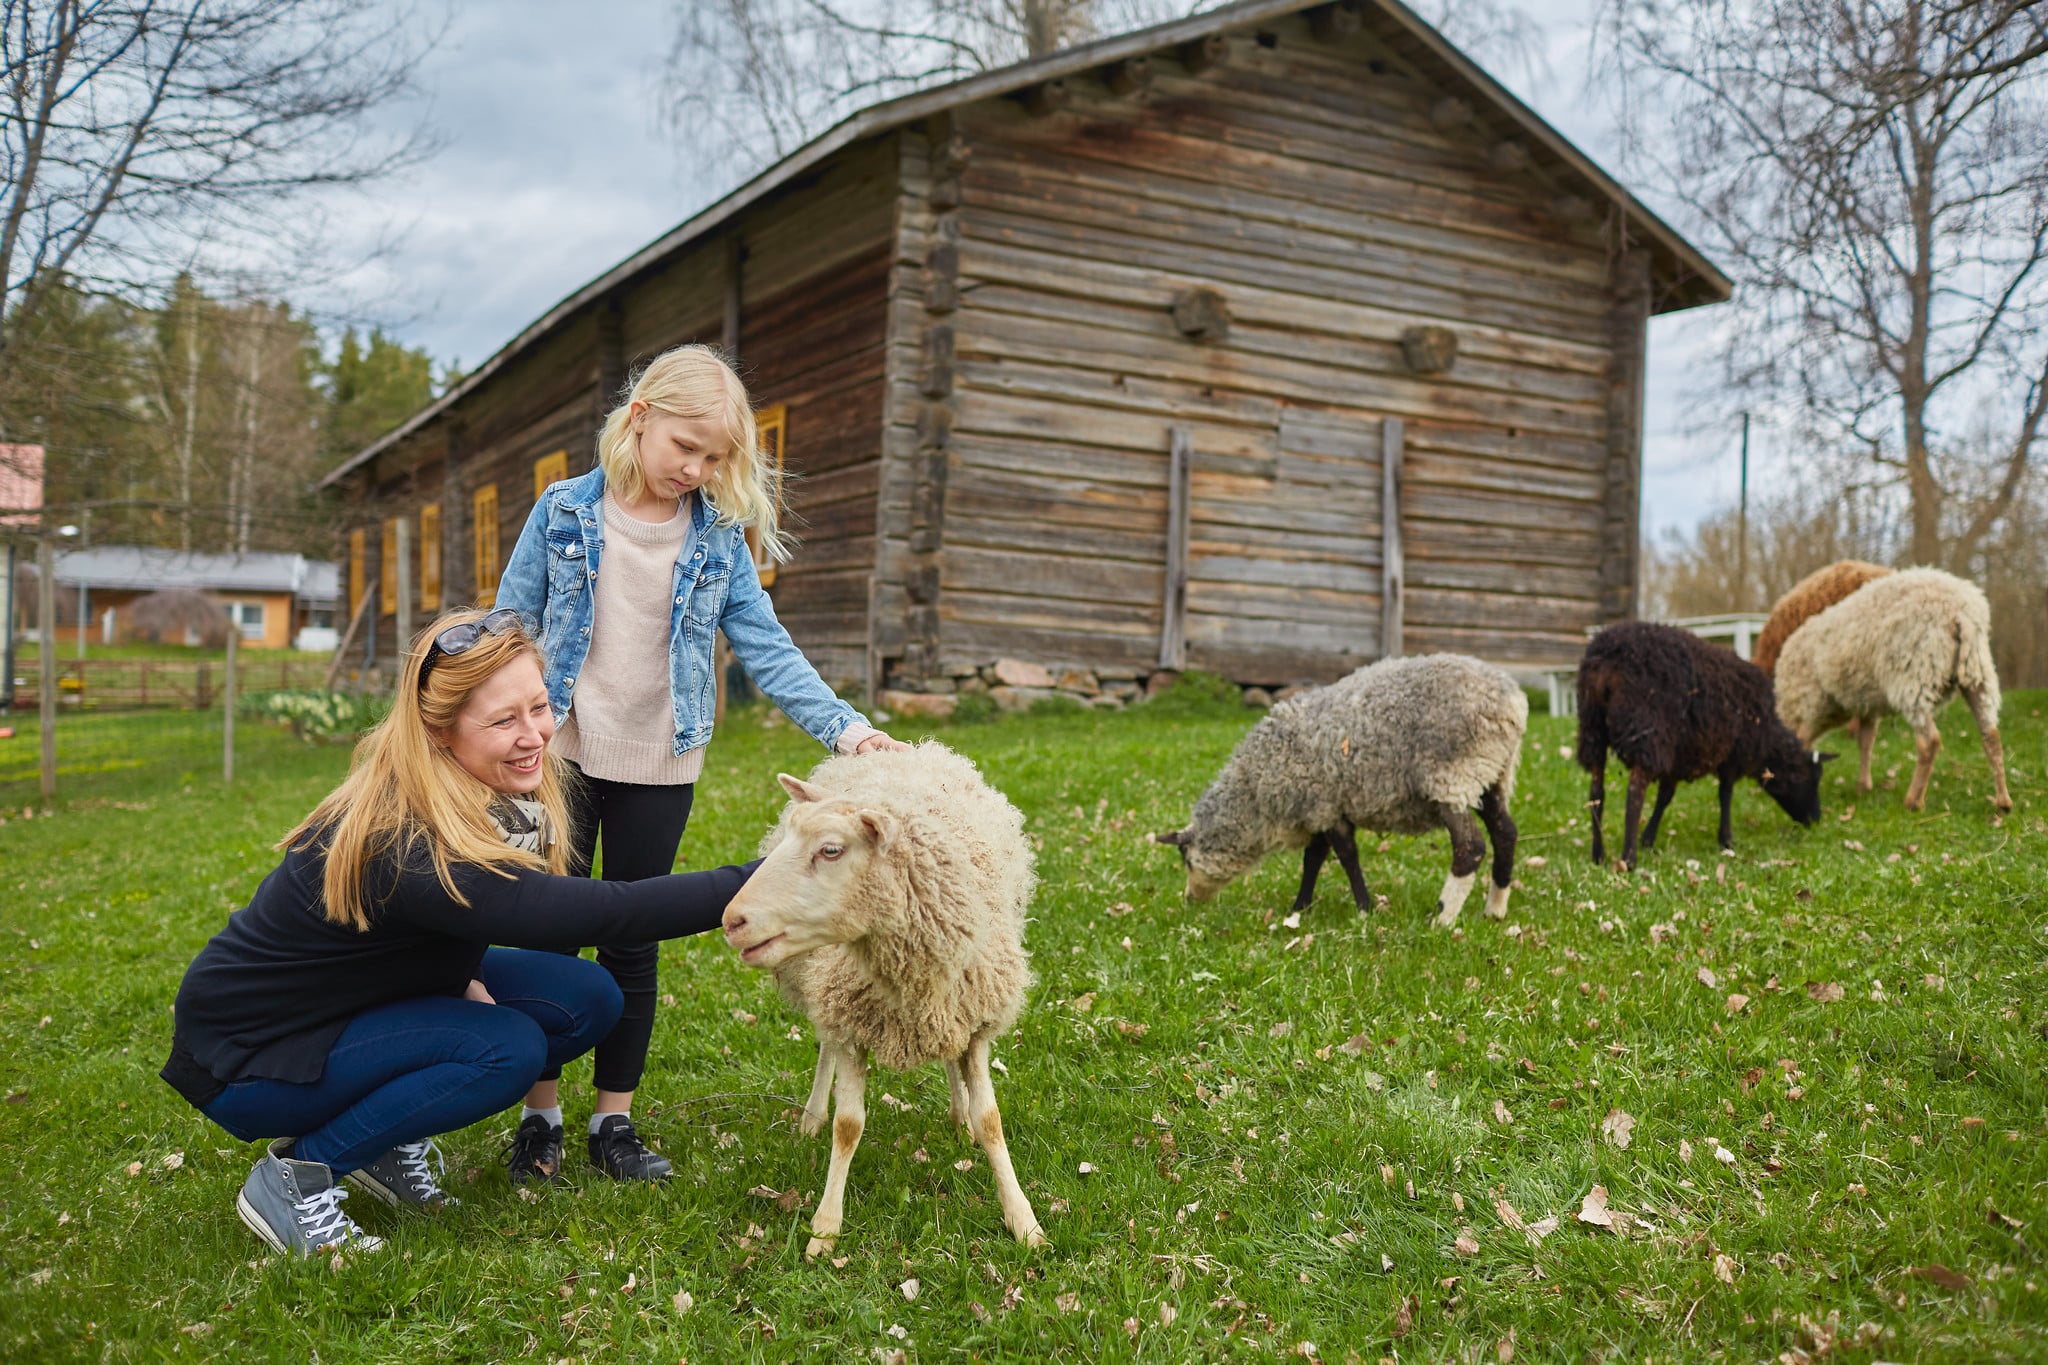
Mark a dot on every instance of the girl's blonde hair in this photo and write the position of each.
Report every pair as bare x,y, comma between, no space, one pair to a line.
405,792
695,381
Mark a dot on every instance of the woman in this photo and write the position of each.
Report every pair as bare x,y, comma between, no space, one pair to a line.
354,1005
631,571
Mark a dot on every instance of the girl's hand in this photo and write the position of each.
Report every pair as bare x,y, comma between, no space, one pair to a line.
878,741
475,991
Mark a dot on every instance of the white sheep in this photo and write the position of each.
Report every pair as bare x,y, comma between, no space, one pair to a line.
1904,643
1402,746
890,905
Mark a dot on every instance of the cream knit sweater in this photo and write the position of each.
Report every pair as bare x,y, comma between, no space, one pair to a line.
621,725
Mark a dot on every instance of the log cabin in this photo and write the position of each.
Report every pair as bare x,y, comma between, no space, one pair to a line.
1269,341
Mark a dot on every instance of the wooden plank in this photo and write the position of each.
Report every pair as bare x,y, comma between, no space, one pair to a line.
1392,603
1052,577
1179,475
1621,535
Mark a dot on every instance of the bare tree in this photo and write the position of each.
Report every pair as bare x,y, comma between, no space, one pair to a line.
1876,172
767,76
135,133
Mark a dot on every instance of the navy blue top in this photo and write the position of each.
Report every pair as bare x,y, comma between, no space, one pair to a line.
268,995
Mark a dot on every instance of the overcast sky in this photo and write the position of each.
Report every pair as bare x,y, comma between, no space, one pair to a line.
555,166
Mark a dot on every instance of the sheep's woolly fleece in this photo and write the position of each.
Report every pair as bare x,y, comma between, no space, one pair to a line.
1385,748
1808,598
1905,643
943,957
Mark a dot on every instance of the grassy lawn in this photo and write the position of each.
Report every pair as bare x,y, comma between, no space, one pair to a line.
1315,1134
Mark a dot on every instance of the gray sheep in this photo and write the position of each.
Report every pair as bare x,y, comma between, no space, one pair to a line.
1401,747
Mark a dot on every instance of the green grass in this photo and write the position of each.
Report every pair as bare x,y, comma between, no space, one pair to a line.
1254,1178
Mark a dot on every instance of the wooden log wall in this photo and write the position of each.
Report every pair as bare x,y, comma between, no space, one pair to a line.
1324,195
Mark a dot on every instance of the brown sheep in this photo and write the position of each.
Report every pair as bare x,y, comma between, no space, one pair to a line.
1809,597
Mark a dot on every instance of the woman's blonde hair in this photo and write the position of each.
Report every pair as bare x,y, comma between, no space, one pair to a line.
695,381
405,792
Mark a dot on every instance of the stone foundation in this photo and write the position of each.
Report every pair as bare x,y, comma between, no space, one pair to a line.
1016,684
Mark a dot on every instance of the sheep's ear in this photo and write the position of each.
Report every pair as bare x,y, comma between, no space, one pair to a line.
798,789
1176,838
880,827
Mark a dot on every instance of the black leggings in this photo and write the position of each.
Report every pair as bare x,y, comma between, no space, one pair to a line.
642,828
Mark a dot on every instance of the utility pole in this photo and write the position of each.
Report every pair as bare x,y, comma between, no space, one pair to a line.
1742,527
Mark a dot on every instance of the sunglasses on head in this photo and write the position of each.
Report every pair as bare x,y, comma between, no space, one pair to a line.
463,637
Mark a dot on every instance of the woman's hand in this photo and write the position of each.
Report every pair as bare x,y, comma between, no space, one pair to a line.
475,991
878,741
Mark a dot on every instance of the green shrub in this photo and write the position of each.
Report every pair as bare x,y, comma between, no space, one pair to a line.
1196,693
974,708
1060,704
316,716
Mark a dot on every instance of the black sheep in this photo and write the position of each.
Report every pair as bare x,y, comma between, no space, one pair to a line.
1673,708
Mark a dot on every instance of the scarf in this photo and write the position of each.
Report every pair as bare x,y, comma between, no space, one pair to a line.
523,824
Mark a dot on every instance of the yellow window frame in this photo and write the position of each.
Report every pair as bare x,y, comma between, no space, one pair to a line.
772,425
549,469
387,588
430,557
484,510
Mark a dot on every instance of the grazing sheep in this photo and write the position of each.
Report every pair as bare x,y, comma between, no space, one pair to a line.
1402,746
890,905
1808,598
1905,644
1674,708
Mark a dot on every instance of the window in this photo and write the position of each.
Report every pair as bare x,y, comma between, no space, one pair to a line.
248,619
387,586
549,469
356,580
771,422
430,557
484,510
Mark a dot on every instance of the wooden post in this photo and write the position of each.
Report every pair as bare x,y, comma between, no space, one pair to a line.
403,526
735,262
227,697
348,636
46,694
1173,642
1393,571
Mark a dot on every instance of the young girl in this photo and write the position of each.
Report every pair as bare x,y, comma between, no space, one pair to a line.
354,1007
629,572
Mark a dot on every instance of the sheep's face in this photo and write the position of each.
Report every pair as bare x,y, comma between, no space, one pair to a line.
1794,783
1207,873
799,898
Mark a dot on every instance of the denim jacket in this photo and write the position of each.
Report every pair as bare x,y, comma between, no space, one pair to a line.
551,579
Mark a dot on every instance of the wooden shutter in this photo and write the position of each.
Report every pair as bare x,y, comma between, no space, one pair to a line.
430,557
485,512
387,584
549,469
772,423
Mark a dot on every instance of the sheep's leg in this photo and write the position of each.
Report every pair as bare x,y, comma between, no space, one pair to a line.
1727,831
1596,805
1666,788
1468,846
1501,832
988,1131
1344,842
1865,732
849,1118
1994,748
1926,744
1311,868
956,1087
821,1086
1638,788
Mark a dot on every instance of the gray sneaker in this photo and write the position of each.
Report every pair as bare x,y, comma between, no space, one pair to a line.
295,1206
403,1179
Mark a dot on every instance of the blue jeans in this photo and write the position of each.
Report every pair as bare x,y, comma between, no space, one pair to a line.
409,1070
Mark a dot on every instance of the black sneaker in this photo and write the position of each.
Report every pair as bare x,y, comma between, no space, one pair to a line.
618,1151
535,1152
